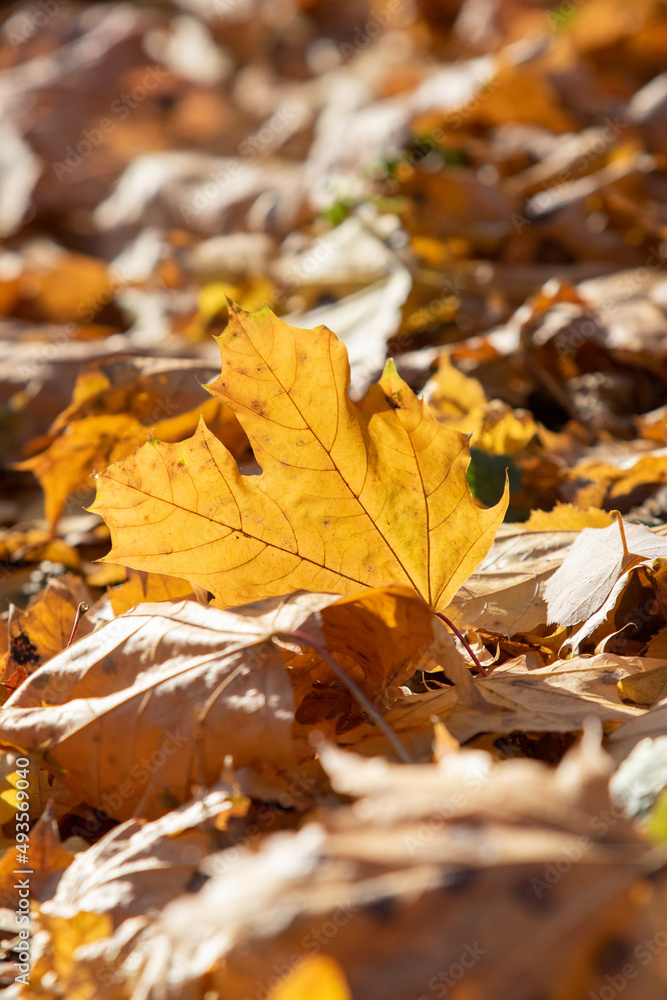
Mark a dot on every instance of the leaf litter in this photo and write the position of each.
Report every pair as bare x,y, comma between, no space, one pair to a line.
369,698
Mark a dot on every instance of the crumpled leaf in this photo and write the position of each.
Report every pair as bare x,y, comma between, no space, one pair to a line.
147,708
157,698
138,865
348,498
523,695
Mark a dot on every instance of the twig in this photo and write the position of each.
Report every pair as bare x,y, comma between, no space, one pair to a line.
460,636
621,527
80,612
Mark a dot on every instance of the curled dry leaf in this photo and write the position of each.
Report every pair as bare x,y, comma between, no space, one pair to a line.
348,498
157,698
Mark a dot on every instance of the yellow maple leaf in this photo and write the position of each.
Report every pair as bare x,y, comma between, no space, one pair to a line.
348,497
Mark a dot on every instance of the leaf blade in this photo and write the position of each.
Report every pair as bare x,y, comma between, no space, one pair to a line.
347,498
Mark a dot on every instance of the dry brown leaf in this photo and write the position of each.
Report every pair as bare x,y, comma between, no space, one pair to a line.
524,695
505,593
591,568
139,866
134,676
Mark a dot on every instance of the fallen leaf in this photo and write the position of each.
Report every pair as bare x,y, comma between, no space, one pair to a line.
36,545
523,695
414,859
566,517
188,686
135,676
365,322
645,688
82,447
146,588
138,865
505,593
348,498
68,935
67,465
592,567
455,398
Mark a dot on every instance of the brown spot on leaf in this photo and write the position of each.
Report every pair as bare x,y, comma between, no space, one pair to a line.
23,651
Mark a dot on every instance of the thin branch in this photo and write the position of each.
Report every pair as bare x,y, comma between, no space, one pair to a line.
80,612
460,636
354,688
621,527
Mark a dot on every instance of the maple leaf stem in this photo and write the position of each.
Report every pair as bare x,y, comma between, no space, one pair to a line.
460,636
354,688
621,527
80,612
